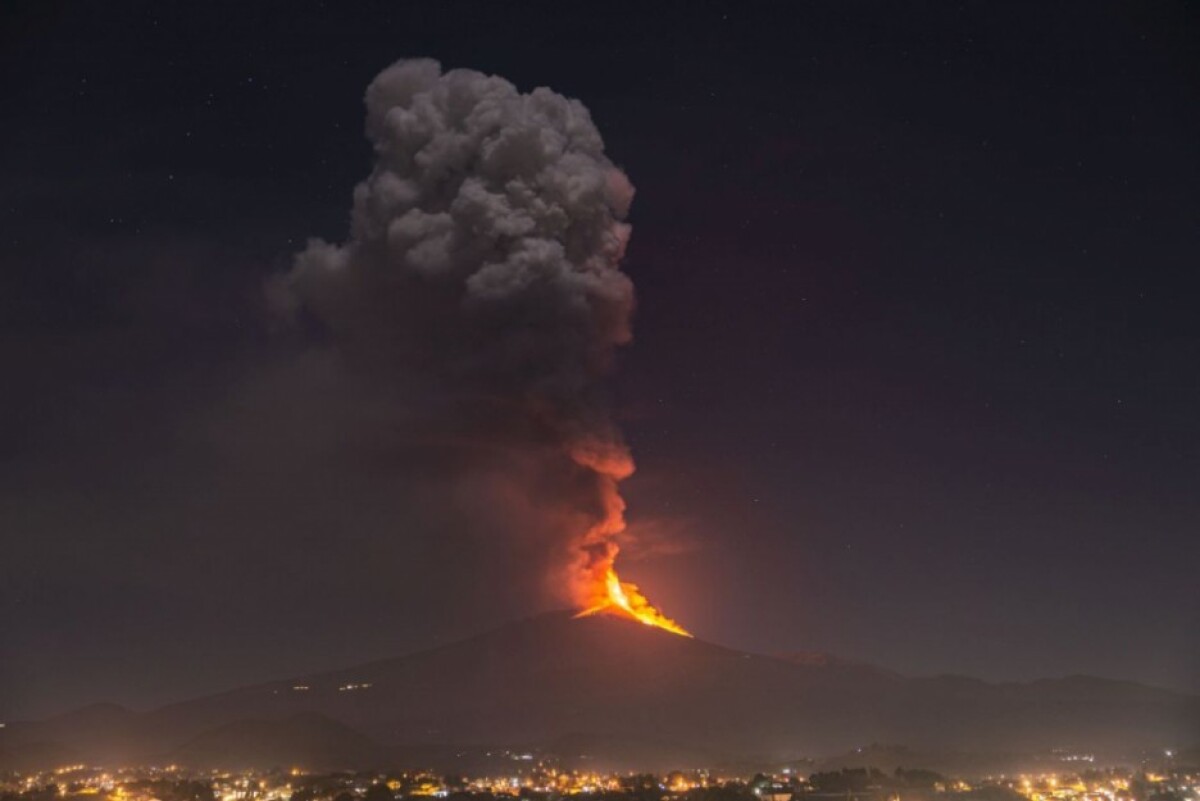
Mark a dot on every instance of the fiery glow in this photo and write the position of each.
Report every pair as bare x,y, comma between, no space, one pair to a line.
623,598
596,586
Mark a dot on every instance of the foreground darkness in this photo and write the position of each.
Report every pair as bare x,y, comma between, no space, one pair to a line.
606,692
914,378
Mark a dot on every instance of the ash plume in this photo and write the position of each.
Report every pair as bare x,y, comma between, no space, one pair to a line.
482,265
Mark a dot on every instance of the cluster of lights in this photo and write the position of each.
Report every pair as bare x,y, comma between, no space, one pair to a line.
541,776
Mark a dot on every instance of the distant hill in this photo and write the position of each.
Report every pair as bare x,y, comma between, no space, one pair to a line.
309,739
611,691
97,732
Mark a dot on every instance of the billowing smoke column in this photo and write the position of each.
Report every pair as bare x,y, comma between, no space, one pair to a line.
484,256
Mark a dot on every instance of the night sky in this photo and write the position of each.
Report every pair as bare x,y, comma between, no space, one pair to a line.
915,377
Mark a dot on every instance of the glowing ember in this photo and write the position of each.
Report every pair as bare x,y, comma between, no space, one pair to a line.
623,598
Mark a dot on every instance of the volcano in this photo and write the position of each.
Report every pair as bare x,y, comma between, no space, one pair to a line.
611,689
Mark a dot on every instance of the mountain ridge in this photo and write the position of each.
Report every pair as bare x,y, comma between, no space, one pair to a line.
555,678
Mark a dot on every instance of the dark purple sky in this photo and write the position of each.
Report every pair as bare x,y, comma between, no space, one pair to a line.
916,377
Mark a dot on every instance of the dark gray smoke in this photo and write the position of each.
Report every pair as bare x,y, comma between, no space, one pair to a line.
483,265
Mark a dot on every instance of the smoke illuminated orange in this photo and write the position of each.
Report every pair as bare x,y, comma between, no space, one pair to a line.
595,584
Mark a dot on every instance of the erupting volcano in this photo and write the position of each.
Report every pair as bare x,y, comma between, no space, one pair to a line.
482,277
623,598
595,585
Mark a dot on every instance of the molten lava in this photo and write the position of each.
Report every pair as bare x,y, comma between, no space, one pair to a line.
624,599
595,585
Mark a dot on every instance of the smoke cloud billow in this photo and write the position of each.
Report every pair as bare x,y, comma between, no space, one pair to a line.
483,263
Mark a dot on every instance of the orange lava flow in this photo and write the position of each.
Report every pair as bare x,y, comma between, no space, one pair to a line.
624,598
595,585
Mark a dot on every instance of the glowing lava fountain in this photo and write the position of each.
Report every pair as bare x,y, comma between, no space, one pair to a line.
596,586
624,599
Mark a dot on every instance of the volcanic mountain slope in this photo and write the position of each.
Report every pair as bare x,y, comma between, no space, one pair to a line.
309,739
601,679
